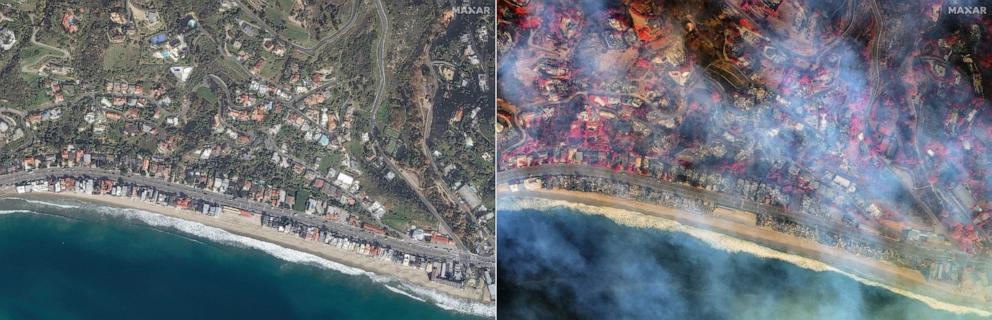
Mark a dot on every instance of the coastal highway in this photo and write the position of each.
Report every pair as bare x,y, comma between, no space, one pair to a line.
728,201
404,245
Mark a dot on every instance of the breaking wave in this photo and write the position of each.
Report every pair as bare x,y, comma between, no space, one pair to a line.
434,297
393,289
221,236
3,212
451,303
46,203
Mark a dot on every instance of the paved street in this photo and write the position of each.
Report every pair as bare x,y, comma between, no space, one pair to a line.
404,245
723,200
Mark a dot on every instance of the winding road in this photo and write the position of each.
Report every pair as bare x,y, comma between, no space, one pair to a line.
320,43
65,54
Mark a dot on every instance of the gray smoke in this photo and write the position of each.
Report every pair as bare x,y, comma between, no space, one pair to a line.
844,124
571,266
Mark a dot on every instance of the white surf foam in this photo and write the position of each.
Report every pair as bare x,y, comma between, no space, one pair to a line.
435,297
219,235
14,211
393,289
452,303
45,203
222,236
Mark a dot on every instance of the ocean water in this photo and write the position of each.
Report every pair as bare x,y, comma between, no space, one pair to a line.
560,264
74,262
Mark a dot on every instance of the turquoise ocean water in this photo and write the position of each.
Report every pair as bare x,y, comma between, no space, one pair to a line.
75,263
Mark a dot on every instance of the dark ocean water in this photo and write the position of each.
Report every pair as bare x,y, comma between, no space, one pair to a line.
92,266
563,265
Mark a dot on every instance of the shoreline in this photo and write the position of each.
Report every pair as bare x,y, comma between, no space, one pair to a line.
446,297
751,240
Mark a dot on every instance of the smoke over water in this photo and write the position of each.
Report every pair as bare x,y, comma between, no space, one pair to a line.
564,265
869,117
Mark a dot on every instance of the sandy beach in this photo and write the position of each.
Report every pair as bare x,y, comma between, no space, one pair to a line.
251,227
732,236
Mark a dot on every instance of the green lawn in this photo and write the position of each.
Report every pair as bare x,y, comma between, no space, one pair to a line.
400,216
285,5
273,14
120,56
301,200
296,33
293,31
28,5
272,70
39,95
355,148
30,77
233,70
207,94
34,54
382,117
395,221
328,160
